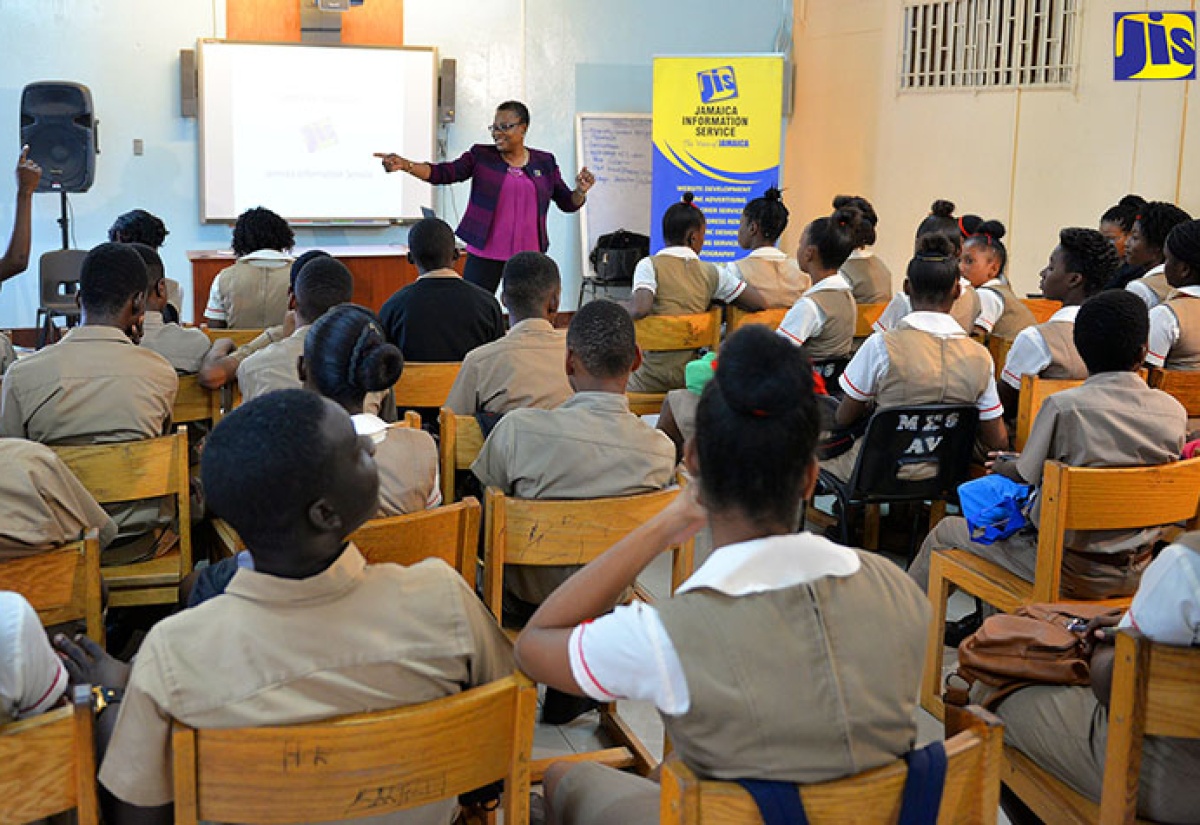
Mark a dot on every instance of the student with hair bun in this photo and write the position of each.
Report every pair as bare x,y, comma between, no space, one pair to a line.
983,263
774,273
926,358
869,277
1115,224
823,320
676,282
1079,266
1175,325
1145,249
941,223
767,662
346,357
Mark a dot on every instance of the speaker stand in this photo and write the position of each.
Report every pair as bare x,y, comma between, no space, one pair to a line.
64,222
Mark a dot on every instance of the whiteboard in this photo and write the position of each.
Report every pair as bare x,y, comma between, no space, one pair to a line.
617,149
293,127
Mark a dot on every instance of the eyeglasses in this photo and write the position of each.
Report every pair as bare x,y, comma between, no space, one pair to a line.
503,128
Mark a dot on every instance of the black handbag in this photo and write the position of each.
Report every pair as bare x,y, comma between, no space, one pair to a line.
616,255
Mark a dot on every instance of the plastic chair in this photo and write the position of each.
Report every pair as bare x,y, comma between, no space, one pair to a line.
58,272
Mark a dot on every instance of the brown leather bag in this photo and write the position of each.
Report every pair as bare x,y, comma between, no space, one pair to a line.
1040,644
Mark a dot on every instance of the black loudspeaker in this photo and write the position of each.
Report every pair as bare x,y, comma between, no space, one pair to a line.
58,125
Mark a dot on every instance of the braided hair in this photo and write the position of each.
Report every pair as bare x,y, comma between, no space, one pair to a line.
769,213
1089,253
1184,245
347,356
1157,219
1125,212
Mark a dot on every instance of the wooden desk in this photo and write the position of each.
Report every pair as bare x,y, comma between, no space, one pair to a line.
378,272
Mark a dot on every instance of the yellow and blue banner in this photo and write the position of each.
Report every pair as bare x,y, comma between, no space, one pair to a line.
717,133
1155,45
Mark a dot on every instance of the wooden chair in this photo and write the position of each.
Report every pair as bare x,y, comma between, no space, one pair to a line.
62,584
1155,692
1042,308
736,318
1034,391
195,403
50,764
1183,385
971,793
558,532
998,348
131,471
461,441
425,384
240,337
361,765
673,333
1073,498
867,315
449,533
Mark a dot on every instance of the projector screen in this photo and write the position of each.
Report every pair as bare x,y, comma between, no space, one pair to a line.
293,127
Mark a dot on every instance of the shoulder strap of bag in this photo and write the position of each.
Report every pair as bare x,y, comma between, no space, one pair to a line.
923,788
778,802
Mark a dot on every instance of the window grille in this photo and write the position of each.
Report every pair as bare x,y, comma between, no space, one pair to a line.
989,44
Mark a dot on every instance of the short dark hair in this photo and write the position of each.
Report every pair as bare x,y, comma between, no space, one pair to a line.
602,336
989,235
530,278
517,108
835,236
1089,253
347,356
266,462
1110,331
299,263
1124,212
260,228
431,244
933,271
757,426
1157,219
155,271
111,274
1184,243
769,213
681,218
870,218
321,285
138,226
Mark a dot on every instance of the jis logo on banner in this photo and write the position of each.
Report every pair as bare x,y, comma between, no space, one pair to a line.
1157,45
717,84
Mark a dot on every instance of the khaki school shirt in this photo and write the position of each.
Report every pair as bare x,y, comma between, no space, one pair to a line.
8,355
184,347
274,367
272,651
93,386
525,368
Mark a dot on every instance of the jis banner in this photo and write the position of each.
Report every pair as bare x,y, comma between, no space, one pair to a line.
717,130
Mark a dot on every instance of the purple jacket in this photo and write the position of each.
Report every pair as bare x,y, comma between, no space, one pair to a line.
485,168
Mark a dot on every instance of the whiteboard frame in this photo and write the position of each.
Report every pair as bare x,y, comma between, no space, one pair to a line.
585,266
306,221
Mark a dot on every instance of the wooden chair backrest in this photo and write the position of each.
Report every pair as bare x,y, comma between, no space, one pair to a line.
49,764
971,794
461,441
736,318
542,532
998,348
62,584
1034,391
195,403
672,333
1182,385
1042,308
240,337
1121,498
865,318
1155,692
449,533
362,765
425,384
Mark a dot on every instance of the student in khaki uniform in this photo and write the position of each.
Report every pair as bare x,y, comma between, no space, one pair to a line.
1115,224
252,294
1112,420
32,677
770,270
983,263
926,359
184,347
311,633
676,282
140,227
524,368
16,258
766,663
1144,248
869,277
1079,266
1175,326
823,320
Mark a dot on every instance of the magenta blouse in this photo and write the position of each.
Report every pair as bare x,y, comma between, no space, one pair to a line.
515,227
